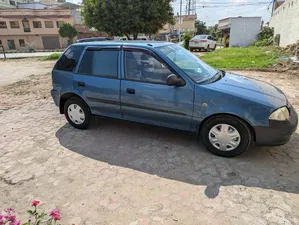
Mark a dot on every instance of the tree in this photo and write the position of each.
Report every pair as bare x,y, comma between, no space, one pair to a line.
201,27
213,30
68,31
186,38
127,17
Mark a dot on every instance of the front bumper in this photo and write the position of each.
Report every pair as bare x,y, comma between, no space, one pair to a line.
278,132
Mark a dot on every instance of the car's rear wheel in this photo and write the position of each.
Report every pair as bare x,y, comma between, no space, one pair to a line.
226,136
215,47
191,49
207,49
77,113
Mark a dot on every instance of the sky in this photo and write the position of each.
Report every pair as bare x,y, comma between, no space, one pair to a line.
215,10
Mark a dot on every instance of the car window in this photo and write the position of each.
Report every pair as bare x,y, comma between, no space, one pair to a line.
68,61
209,37
101,63
198,37
142,66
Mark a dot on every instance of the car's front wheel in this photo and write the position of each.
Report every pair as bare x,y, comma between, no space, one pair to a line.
226,136
77,113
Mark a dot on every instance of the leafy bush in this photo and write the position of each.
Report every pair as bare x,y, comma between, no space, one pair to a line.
186,38
265,37
53,56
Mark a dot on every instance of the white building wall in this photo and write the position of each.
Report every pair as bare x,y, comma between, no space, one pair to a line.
244,31
285,21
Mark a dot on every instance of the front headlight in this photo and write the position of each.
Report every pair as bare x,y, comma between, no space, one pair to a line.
280,114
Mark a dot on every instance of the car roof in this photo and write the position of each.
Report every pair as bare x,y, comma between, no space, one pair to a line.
135,43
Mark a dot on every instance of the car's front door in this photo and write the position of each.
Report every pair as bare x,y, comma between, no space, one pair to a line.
97,80
145,96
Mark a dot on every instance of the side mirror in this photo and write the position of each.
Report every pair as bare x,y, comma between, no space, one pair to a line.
174,80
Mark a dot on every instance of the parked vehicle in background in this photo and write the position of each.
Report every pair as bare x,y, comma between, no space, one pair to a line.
205,42
161,83
94,39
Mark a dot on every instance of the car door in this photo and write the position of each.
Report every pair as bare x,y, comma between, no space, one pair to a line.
97,80
145,96
210,41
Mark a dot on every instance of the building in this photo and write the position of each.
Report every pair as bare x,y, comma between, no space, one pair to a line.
240,31
12,3
24,29
285,20
187,24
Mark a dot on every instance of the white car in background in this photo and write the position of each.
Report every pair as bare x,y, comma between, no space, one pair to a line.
203,41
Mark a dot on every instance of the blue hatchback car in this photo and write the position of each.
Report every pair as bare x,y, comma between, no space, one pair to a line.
163,84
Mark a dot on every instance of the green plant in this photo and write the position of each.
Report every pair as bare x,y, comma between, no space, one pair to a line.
53,56
186,38
265,37
8,216
68,31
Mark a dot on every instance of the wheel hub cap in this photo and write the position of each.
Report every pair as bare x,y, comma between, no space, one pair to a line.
76,114
224,137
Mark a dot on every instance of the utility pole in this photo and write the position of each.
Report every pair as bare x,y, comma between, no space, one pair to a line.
180,20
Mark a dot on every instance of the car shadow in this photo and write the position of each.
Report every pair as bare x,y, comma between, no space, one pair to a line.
176,155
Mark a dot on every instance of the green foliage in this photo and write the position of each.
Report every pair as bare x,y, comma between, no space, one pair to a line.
265,37
53,56
213,31
68,31
127,17
186,38
241,58
201,27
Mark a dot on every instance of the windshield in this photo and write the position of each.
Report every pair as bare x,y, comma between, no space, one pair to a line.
196,69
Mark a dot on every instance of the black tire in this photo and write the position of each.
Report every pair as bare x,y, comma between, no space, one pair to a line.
191,49
208,48
239,125
85,109
215,47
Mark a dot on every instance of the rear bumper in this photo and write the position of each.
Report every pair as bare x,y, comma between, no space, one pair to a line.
278,132
198,45
56,96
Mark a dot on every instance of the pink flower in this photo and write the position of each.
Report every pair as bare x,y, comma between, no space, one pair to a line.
9,210
35,202
55,214
15,222
1,219
10,217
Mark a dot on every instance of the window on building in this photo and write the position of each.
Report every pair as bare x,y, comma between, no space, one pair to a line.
99,63
37,24
49,24
11,44
3,25
22,42
68,61
26,25
12,2
14,24
59,24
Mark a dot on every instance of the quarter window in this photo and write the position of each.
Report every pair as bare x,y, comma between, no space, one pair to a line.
49,24
37,24
14,24
3,25
142,66
101,63
68,61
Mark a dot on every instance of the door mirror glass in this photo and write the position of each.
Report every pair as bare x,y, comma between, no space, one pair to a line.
174,80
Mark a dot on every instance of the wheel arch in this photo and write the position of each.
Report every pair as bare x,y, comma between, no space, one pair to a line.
226,114
67,96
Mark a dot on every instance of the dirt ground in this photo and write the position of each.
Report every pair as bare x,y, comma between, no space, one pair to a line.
126,173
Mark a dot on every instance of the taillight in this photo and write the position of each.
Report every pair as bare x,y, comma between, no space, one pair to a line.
203,41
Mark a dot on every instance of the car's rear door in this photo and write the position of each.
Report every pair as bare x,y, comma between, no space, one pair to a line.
97,80
145,96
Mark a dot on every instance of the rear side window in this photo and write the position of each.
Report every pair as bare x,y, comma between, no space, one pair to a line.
68,61
102,63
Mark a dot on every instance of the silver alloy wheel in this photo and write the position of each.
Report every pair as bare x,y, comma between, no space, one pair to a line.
76,114
224,137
